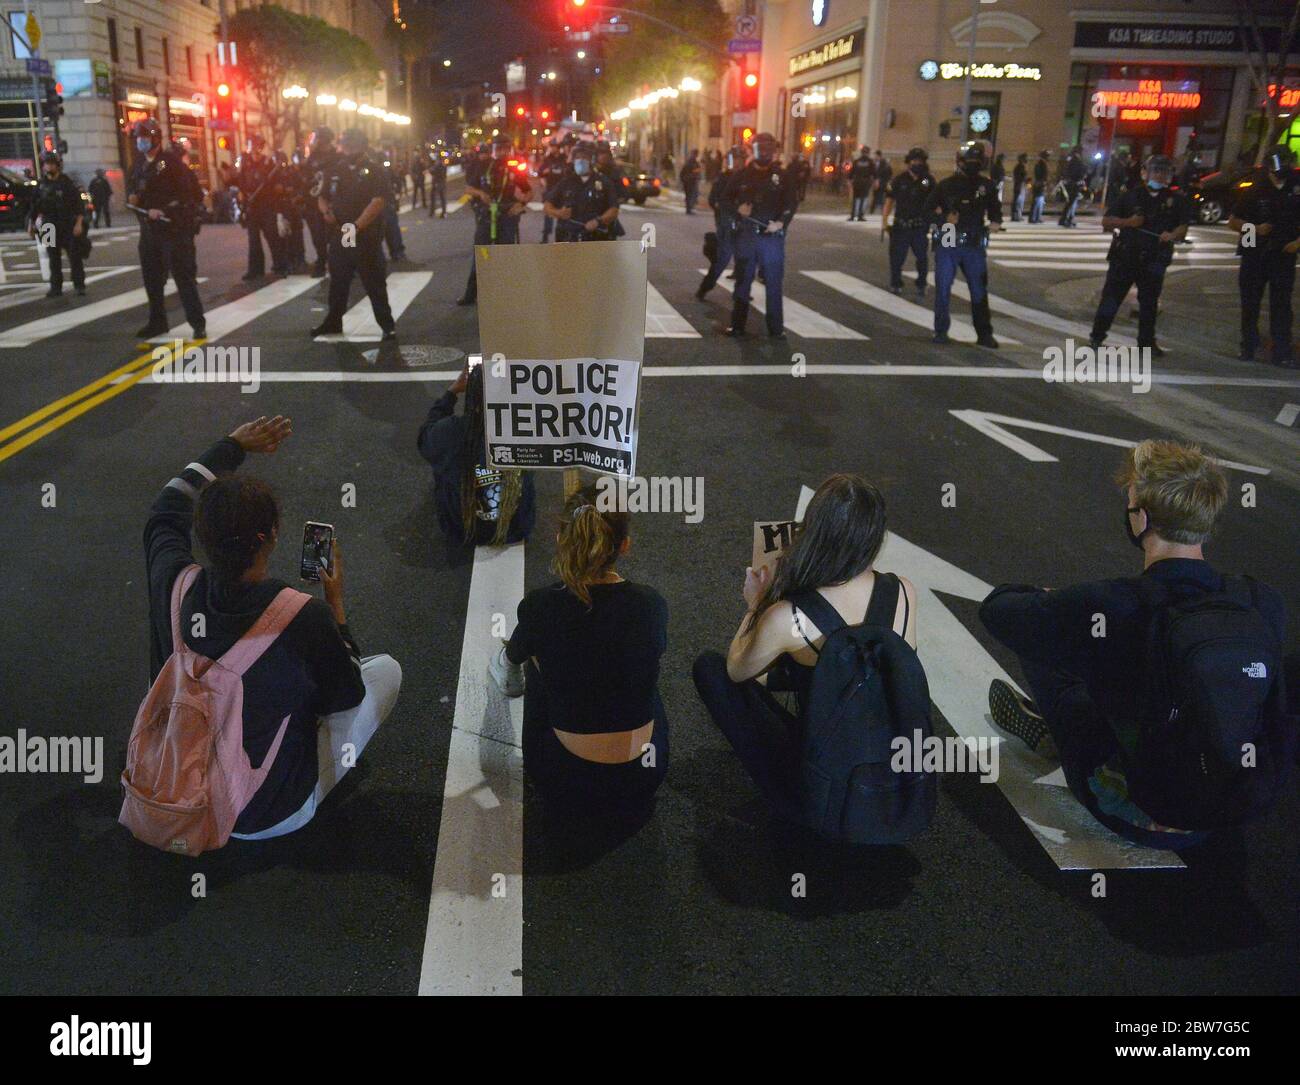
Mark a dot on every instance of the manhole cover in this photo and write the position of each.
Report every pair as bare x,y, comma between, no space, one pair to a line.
417,355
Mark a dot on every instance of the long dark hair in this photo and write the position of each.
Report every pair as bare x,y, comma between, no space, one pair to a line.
473,454
230,515
841,534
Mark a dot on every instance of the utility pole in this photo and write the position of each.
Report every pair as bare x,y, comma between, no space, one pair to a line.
37,97
970,65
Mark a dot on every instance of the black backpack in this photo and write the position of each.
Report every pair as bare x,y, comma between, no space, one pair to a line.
1212,687
867,688
710,246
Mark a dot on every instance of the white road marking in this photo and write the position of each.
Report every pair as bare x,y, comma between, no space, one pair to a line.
991,425
26,293
359,324
24,335
1039,318
894,305
227,318
662,321
1288,414
799,319
473,943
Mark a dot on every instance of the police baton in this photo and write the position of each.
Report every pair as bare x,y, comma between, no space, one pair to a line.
142,212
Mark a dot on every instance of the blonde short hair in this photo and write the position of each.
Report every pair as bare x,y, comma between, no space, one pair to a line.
1181,488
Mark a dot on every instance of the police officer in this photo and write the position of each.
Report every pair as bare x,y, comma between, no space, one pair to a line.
961,208
1019,179
58,214
499,194
583,202
167,196
1150,219
765,200
1040,187
321,157
418,165
255,175
291,181
394,181
1268,254
352,205
554,165
862,174
907,198
724,220
1073,176
608,167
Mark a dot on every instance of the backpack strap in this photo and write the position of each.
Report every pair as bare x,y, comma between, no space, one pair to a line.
814,604
180,588
270,624
883,604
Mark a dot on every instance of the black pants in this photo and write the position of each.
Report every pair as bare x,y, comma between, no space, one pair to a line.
104,212
1085,740
365,259
73,247
1275,270
902,240
765,736
294,250
164,250
858,207
261,224
320,235
574,784
438,195
507,234
1124,272
417,194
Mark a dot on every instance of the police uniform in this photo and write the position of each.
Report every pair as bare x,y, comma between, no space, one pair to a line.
1073,175
394,185
974,199
320,163
351,183
58,203
587,198
724,220
614,175
438,185
1137,255
1267,264
911,195
257,178
166,184
493,222
771,192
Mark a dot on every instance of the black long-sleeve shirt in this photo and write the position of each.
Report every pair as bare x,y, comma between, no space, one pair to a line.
770,189
973,199
312,669
441,442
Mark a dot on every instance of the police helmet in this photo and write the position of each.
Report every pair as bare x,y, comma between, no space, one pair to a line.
917,153
322,136
583,149
973,156
1159,165
148,128
51,156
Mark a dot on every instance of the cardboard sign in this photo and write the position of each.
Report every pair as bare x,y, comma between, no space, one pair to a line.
574,412
771,539
562,333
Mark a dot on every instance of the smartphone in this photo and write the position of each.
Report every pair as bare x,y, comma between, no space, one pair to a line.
473,361
317,549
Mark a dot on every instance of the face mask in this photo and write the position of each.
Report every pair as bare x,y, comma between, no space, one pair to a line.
1154,185
764,155
143,144
917,168
581,167
971,169
1134,537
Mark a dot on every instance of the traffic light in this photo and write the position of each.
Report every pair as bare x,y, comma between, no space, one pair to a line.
54,100
748,91
577,15
223,108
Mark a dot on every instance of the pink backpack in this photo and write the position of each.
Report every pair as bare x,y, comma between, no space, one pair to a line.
187,777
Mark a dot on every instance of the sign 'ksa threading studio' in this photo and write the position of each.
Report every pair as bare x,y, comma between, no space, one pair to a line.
562,329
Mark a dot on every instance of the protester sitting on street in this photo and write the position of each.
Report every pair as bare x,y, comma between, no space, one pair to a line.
311,679
477,504
827,574
585,656
1154,690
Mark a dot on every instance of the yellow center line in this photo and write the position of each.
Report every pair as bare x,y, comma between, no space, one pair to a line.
90,396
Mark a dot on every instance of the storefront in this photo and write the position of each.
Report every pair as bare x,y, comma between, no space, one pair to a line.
186,118
133,103
818,108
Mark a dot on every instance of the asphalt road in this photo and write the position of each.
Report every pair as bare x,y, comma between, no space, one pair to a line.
698,898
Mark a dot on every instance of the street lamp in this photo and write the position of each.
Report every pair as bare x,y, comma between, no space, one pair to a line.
446,63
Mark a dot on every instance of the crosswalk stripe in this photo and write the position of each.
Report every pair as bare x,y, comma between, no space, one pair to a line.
799,318
1041,319
232,316
1100,265
26,293
359,324
893,305
24,335
662,321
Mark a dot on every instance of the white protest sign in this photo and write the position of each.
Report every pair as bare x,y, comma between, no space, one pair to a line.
572,412
562,333
771,539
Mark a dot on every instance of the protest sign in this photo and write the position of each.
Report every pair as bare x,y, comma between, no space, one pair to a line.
562,329
771,539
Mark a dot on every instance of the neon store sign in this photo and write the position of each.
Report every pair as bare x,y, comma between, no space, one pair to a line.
1144,99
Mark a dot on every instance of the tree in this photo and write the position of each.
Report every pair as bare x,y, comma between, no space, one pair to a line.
413,32
278,48
1267,75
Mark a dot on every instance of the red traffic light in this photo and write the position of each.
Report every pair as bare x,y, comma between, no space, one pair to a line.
546,114
519,111
751,80
223,90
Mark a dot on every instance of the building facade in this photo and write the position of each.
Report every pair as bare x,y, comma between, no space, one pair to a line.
1047,74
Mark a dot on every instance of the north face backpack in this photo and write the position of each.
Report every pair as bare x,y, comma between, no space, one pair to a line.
187,777
1214,739
868,688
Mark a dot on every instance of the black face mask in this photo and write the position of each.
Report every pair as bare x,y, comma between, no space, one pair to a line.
1135,537
917,168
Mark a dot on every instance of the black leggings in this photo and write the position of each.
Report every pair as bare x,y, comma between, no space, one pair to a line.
574,784
765,736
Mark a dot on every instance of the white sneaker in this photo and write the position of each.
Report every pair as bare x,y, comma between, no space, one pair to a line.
508,676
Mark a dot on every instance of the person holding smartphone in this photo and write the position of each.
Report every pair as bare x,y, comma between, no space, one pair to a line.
313,672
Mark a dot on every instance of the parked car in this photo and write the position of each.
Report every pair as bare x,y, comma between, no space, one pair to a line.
16,193
638,184
1214,195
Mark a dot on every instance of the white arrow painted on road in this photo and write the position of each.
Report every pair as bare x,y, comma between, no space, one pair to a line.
992,425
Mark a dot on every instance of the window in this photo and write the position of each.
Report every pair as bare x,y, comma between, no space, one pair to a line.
18,34
139,48
167,57
112,40
189,63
